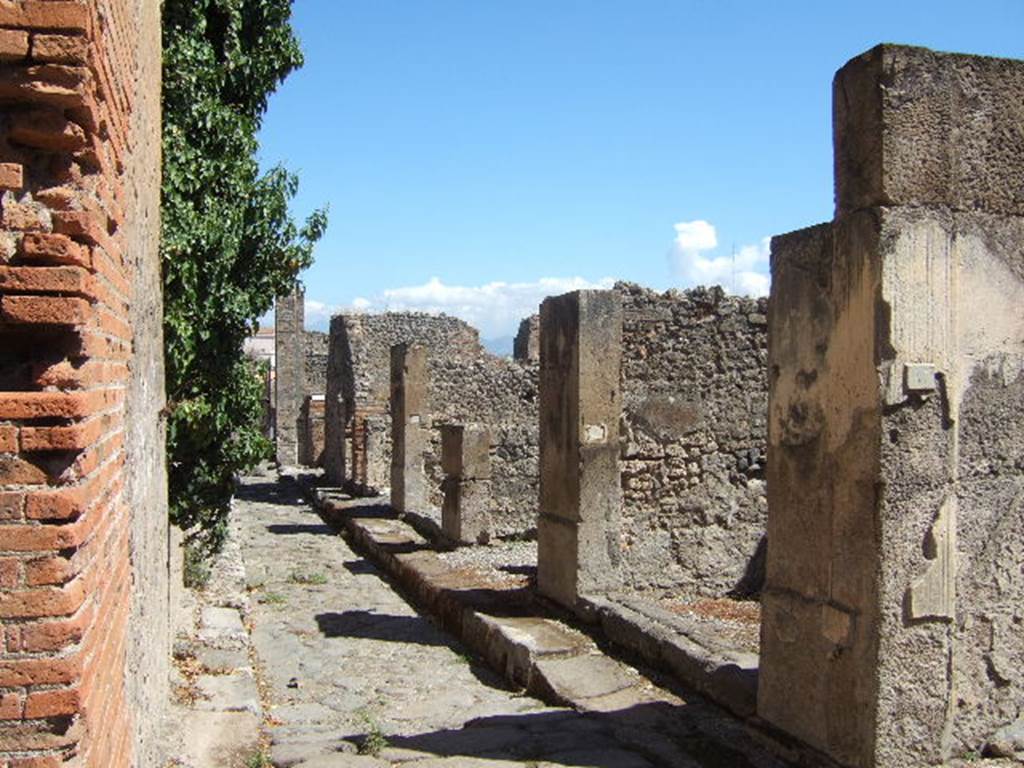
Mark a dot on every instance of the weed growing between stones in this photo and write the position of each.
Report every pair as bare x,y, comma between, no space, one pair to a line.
258,760
373,740
308,578
273,598
196,570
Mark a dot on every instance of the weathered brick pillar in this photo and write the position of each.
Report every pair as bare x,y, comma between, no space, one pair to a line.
466,461
409,427
289,374
84,602
580,406
892,612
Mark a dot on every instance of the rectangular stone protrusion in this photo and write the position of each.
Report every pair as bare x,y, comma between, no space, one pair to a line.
920,377
580,407
918,127
466,461
409,425
466,511
466,451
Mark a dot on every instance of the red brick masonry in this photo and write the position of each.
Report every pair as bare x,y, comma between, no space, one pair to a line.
66,85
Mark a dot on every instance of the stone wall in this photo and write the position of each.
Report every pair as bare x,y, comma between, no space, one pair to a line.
311,413
526,346
84,547
316,349
694,401
357,449
892,610
500,394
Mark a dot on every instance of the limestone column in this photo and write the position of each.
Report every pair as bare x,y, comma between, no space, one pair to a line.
896,370
289,374
580,407
466,461
409,427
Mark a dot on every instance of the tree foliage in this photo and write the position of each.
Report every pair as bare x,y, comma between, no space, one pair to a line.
228,244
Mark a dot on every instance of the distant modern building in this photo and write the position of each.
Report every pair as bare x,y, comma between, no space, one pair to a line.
261,344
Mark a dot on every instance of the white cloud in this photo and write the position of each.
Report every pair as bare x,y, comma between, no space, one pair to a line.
695,236
745,272
493,308
318,313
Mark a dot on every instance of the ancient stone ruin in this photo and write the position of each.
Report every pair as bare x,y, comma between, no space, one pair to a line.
500,396
671,468
847,453
893,603
357,450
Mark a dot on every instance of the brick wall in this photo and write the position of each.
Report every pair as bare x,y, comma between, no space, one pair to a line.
79,87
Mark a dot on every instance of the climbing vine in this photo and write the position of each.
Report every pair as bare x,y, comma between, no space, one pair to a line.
228,243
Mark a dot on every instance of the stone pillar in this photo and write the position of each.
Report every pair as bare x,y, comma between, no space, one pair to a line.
335,416
580,407
290,375
409,427
891,614
311,443
466,461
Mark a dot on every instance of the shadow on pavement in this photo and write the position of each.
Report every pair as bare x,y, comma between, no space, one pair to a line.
290,529
642,736
381,626
271,492
361,567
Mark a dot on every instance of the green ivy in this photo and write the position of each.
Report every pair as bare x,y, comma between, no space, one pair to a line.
228,244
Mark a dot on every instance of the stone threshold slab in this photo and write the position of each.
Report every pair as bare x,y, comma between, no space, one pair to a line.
672,644
545,657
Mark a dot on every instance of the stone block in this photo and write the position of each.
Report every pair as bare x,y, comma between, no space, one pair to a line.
466,513
918,127
466,451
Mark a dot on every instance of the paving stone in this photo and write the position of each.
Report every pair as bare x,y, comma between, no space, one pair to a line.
290,754
217,739
228,693
220,661
343,761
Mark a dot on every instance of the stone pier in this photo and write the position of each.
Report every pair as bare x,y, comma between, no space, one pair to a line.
466,461
580,407
289,374
409,426
892,612
311,434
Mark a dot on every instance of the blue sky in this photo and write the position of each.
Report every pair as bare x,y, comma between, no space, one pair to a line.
478,154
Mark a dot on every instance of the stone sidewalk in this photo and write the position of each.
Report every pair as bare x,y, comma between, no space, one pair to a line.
352,675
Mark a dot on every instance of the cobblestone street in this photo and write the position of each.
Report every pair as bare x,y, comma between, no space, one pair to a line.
352,675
